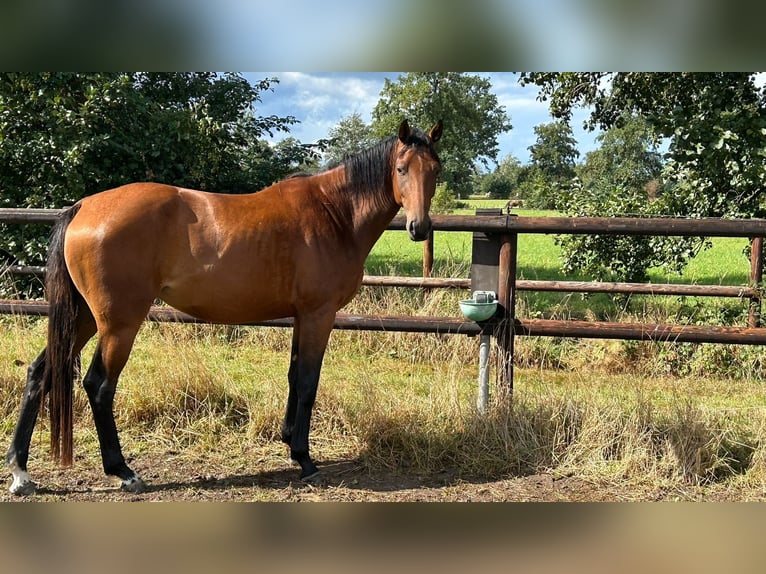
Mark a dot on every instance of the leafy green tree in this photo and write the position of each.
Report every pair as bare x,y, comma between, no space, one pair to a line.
67,135
350,136
714,125
268,164
443,201
496,186
472,116
511,169
555,151
553,156
628,158
524,181
502,182
64,135
622,177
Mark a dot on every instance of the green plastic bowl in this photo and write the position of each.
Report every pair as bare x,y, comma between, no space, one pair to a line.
477,311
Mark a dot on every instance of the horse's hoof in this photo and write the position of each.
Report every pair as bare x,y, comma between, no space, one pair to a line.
25,488
134,485
315,479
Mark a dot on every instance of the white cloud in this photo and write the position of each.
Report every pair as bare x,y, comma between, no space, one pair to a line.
338,95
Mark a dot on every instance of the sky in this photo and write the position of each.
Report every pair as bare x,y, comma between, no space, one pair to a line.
321,100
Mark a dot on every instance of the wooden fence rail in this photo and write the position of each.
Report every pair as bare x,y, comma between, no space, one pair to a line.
509,224
455,326
525,285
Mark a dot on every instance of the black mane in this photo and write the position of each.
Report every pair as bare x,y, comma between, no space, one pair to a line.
368,170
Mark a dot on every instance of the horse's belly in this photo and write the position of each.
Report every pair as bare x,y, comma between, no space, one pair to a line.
218,305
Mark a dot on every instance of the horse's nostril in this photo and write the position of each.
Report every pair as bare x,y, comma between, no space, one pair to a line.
418,230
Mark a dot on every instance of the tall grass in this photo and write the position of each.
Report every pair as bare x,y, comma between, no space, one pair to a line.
405,404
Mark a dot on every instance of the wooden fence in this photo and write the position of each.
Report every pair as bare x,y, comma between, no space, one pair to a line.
504,231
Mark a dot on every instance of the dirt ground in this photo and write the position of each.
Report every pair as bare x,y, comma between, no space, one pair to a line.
343,482
183,478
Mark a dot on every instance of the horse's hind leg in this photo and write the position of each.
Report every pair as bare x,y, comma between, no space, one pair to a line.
292,398
18,452
100,384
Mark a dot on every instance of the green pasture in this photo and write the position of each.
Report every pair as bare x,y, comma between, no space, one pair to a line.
539,258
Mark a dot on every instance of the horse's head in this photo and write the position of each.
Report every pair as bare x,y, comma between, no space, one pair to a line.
416,167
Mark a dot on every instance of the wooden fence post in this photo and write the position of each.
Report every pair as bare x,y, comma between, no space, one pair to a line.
428,255
506,296
756,280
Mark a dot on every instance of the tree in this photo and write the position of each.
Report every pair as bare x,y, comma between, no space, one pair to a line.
67,135
472,117
268,164
64,135
714,124
496,186
622,177
350,136
553,156
503,182
511,168
555,151
628,158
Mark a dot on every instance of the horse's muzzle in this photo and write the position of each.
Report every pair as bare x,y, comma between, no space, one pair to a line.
420,229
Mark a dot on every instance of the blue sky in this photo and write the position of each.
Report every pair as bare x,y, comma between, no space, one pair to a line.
321,100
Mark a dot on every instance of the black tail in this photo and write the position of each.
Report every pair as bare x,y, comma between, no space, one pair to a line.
62,364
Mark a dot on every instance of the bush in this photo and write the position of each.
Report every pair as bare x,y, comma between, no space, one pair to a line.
444,200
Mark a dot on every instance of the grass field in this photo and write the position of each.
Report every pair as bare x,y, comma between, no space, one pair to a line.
539,258
212,398
648,420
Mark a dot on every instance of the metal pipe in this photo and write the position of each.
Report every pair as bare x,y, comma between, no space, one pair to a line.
482,400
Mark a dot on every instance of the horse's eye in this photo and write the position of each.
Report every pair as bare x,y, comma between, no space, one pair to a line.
401,170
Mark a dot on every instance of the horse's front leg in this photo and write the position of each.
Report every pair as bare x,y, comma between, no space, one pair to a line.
312,333
292,399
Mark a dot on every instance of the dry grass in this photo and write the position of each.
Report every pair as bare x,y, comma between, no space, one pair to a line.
405,403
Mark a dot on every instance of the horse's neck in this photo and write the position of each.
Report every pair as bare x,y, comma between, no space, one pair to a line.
368,214
372,220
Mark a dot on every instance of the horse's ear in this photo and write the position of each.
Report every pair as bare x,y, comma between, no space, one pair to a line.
436,131
404,132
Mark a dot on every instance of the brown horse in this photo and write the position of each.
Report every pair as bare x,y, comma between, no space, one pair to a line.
295,249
